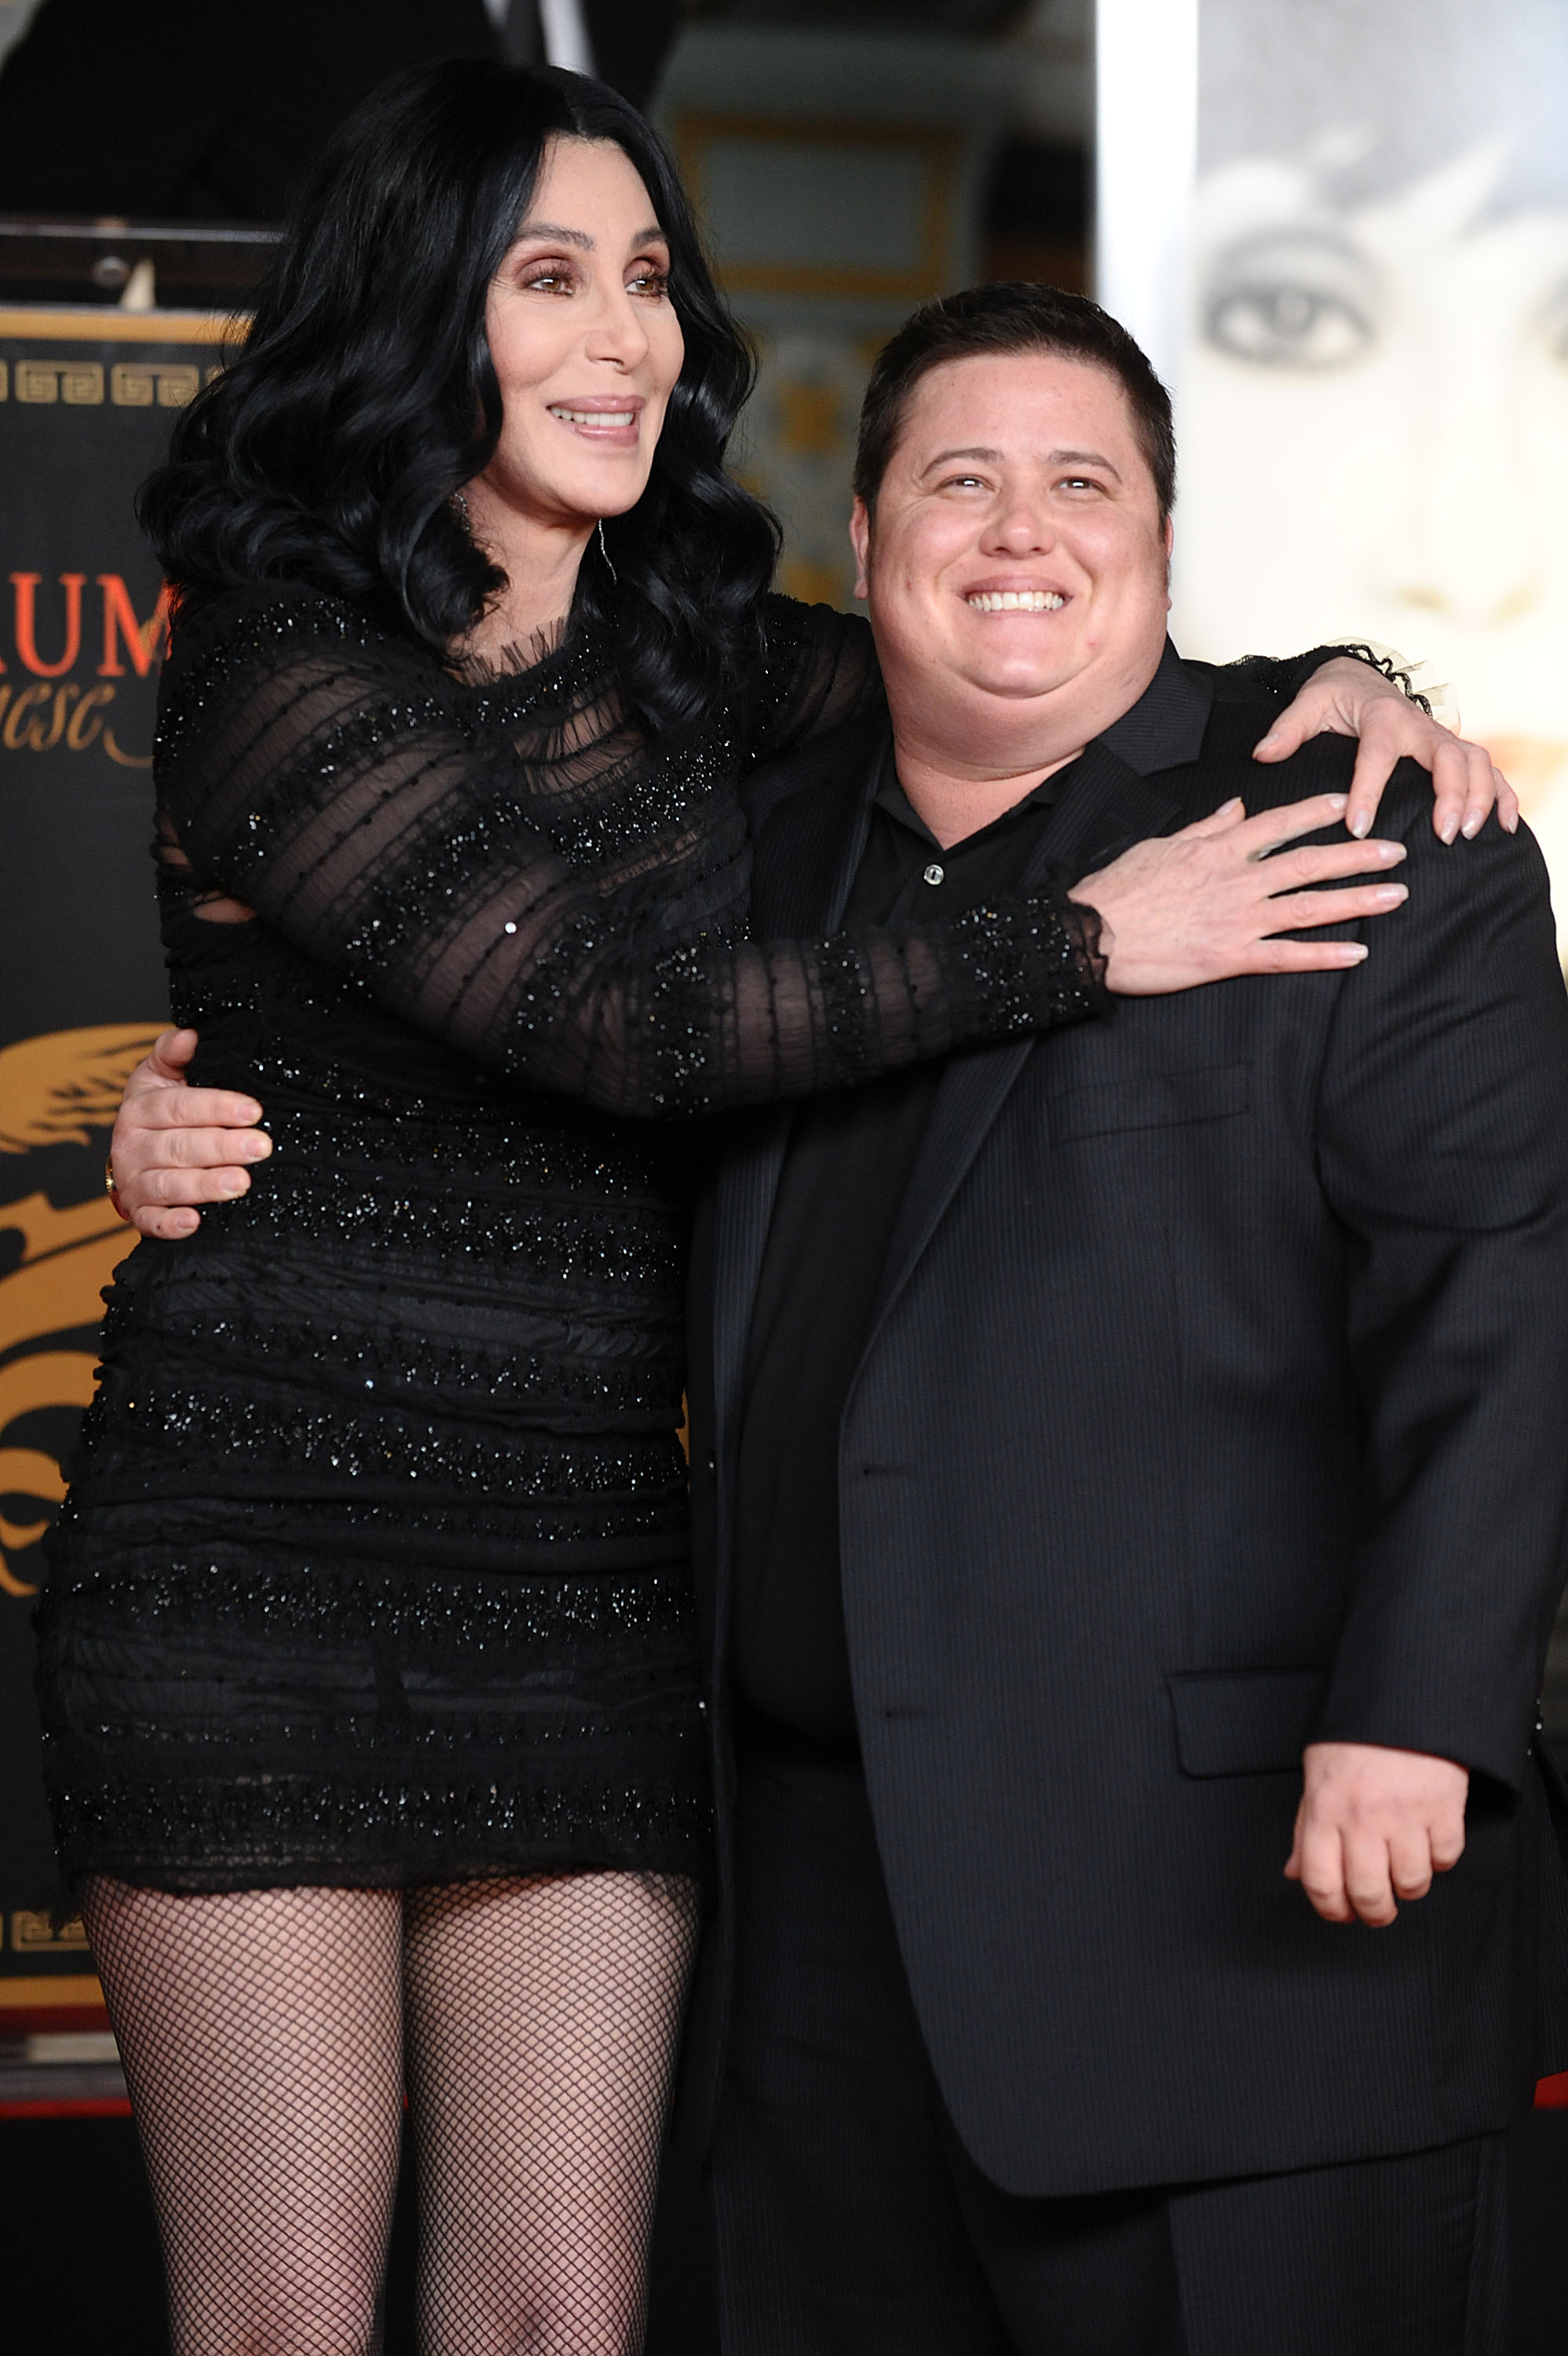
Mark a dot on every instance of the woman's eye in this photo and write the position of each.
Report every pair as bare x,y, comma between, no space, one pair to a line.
1289,326
546,279
651,281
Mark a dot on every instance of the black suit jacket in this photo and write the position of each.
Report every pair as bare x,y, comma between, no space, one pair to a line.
194,110
1216,1401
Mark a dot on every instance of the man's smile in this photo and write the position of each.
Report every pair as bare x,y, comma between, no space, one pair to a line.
1015,601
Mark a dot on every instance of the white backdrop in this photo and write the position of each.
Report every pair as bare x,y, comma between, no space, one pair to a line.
1359,217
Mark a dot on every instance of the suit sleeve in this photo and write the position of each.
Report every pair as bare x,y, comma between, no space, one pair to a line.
1442,1140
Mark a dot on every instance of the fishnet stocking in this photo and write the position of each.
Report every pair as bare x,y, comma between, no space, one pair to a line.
542,2021
262,2034
260,2037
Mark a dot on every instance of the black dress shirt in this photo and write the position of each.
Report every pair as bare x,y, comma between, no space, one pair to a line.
843,1182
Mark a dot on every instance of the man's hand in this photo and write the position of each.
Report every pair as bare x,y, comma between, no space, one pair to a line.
1206,905
1351,698
176,1146
1374,1825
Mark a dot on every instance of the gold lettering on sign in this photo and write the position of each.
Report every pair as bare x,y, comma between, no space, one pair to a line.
78,383
5,380
82,730
25,729
137,384
12,735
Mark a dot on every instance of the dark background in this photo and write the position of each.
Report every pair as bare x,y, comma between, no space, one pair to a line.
179,116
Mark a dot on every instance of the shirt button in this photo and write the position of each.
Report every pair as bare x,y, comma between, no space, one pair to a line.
934,874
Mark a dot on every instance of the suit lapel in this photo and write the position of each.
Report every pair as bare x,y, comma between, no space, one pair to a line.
809,845
1107,807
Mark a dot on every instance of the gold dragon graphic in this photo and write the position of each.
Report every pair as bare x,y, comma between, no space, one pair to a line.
62,1088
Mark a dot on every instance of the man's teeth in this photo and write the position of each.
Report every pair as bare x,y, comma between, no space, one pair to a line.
1016,601
591,416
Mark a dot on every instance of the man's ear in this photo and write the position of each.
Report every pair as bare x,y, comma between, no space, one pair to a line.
1170,545
860,542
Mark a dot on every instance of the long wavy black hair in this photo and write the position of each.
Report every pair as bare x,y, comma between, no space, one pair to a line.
365,395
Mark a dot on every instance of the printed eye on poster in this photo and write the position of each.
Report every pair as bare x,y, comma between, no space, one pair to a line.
1343,231
86,398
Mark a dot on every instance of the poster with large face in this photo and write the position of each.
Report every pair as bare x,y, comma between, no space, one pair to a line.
1373,387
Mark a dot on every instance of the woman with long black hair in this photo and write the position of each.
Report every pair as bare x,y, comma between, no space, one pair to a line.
374,1734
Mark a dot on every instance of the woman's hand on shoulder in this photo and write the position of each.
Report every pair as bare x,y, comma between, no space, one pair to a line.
176,1146
1348,698
1208,903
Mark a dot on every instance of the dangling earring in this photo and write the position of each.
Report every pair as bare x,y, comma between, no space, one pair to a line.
604,551
461,504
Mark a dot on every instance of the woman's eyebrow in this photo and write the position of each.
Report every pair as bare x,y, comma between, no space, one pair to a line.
652,235
578,237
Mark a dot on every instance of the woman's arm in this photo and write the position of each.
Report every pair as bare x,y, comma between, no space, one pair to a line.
1217,900
311,771
1353,691
821,671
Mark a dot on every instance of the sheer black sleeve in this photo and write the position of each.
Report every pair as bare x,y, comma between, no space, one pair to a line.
1282,677
313,768
819,672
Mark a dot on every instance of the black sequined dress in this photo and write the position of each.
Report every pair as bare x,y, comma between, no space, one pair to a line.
373,1568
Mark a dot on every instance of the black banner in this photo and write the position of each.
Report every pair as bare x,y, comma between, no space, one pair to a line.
86,402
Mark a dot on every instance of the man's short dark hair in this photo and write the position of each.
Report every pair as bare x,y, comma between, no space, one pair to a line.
1013,316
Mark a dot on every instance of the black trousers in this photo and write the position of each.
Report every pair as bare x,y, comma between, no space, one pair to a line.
852,2223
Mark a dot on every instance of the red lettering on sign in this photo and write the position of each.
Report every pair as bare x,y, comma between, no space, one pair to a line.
26,586
120,623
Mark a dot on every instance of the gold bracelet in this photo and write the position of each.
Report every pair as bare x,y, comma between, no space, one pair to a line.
113,1191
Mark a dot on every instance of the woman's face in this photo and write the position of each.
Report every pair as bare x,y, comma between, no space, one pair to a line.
584,339
1374,442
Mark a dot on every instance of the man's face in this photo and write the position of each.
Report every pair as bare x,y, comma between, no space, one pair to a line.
1017,557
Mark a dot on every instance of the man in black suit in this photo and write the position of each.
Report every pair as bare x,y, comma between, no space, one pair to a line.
1131,1495
200,109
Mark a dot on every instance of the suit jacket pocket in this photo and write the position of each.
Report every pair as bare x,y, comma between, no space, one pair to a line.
1159,1100
1244,1721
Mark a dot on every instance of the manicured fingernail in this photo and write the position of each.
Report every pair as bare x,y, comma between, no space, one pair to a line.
1472,824
1352,952
1389,895
1389,851
1336,801
1264,742
1360,825
1449,830
256,1149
